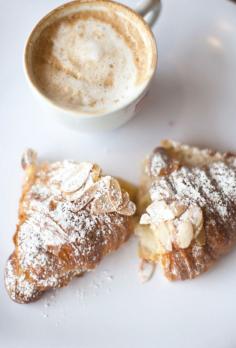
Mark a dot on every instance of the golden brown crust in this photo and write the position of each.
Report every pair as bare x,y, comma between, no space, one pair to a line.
70,216
202,181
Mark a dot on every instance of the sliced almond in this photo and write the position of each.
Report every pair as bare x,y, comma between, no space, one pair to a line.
129,210
152,209
96,172
145,219
156,195
75,196
103,184
146,270
160,211
77,179
164,235
125,199
159,193
177,208
86,197
115,193
194,215
201,237
198,230
148,240
185,234
102,205
29,158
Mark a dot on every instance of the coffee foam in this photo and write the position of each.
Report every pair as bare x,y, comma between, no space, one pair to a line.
90,61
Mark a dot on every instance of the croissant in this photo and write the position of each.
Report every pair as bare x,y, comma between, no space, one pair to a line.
188,203
70,216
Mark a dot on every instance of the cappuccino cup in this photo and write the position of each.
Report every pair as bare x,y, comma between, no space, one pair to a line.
91,61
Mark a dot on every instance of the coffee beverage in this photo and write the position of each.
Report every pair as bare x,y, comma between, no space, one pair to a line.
92,57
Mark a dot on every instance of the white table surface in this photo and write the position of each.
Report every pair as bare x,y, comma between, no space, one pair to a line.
193,99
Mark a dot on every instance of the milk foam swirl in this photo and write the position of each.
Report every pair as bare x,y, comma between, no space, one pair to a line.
90,61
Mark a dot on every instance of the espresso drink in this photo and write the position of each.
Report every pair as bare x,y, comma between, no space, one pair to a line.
93,57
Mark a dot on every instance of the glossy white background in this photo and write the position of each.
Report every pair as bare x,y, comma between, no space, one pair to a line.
193,99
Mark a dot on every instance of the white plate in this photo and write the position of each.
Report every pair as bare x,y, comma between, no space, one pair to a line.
193,99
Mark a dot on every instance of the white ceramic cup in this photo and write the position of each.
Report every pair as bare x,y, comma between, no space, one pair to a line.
146,13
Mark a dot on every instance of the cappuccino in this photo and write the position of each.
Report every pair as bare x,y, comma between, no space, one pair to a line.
92,57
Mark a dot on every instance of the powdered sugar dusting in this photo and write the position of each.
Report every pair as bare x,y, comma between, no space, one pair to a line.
82,291
212,187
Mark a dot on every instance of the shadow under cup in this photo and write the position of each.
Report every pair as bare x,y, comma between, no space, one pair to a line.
69,73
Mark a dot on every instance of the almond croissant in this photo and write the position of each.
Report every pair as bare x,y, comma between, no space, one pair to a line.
188,201
70,216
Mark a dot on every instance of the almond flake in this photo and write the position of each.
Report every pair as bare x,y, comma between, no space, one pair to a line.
177,208
184,234
29,158
86,197
115,193
102,205
125,199
160,211
145,219
128,210
164,235
96,172
77,179
146,271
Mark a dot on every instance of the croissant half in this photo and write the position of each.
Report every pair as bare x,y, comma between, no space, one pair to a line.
188,201
70,216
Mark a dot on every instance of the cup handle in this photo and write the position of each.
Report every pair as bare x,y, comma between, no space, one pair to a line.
149,10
